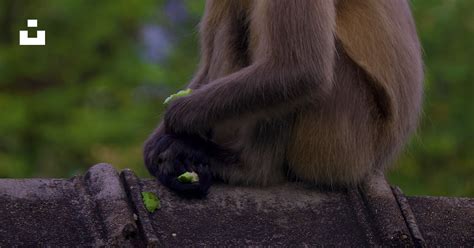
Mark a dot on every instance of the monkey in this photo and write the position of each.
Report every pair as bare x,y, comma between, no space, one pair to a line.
326,92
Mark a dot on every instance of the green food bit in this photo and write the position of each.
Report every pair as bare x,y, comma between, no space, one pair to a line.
151,201
180,93
188,177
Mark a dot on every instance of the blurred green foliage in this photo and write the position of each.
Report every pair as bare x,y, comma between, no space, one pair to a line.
440,160
95,91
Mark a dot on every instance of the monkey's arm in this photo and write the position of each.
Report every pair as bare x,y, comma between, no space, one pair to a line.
293,60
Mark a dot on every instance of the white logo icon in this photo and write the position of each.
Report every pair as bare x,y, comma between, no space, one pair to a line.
39,40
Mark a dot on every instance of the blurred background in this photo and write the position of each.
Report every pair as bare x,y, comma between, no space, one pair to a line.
95,91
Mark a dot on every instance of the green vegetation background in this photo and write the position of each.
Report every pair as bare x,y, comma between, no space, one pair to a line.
94,92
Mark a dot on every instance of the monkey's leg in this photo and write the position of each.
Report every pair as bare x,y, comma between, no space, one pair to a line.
338,141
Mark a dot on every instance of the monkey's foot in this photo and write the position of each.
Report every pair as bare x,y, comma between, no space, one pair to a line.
177,156
194,186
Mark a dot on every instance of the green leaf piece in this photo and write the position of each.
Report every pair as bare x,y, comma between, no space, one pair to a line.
151,201
177,95
188,177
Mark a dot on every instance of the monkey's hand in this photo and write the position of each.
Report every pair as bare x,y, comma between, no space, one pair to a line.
185,116
168,157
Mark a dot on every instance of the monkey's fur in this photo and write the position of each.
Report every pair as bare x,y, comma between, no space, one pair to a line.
325,91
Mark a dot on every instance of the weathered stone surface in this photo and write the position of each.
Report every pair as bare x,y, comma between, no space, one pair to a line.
445,221
82,211
103,208
47,212
276,216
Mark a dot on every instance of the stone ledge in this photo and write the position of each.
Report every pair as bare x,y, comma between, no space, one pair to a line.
105,208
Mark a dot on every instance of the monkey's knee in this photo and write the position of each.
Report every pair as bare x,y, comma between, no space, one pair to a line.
153,149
